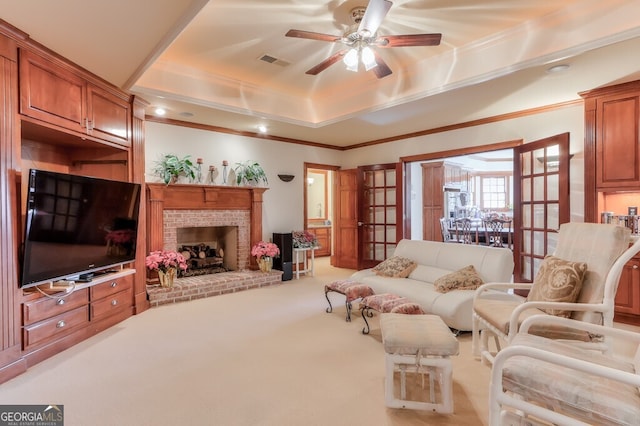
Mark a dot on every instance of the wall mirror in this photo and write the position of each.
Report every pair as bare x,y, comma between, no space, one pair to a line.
317,199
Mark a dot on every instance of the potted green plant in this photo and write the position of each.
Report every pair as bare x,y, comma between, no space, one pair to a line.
250,173
170,167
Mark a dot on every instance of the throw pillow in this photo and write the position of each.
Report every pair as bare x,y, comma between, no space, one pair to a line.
396,266
466,278
557,280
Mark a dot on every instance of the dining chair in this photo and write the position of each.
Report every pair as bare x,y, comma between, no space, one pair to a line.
498,232
446,235
465,231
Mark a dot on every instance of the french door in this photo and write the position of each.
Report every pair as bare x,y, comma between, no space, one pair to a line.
368,215
541,201
380,213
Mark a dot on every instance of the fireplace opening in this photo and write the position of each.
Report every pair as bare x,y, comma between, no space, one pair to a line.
208,249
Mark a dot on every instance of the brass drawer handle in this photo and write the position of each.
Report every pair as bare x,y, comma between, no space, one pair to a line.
635,266
114,302
60,324
60,302
114,284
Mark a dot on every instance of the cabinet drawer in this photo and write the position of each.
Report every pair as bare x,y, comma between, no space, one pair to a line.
110,287
114,302
47,307
55,327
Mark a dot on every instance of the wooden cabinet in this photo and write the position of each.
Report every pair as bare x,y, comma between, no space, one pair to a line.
617,143
56,95
612,172
628,295
323,235
57,116
62,319
110,297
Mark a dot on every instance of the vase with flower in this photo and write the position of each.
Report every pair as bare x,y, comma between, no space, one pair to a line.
264,253
166,263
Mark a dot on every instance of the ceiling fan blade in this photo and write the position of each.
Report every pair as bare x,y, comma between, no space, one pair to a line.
327,62
311,35
382,70
374,14
408,40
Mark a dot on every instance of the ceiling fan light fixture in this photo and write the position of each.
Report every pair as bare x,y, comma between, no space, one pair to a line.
368,58
351,60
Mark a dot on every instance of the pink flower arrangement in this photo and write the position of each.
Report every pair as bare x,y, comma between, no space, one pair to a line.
304,239
264,249
162,260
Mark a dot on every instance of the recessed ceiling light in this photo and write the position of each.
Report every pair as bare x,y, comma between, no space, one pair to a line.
186,114
262,128
160,111
558,68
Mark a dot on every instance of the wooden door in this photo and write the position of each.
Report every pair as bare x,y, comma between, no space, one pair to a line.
541,201
345,253
380,201
433,177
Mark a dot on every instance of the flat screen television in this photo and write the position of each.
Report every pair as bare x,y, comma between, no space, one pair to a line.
77,225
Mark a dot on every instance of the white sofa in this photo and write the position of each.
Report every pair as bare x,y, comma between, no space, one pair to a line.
436,259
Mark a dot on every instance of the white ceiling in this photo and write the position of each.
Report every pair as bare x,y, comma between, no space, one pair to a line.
200,59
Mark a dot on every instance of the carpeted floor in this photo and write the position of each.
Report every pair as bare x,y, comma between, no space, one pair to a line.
270,356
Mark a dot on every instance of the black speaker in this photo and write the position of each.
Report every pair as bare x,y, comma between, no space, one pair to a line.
287,271
285,244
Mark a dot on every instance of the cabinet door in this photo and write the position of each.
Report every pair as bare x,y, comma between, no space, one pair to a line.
108,116
51,93
617,141
627,297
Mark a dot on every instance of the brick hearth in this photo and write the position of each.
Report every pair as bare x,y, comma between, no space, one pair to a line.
198,287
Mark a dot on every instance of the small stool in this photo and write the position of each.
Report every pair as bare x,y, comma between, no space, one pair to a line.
418,341
385,303
352,290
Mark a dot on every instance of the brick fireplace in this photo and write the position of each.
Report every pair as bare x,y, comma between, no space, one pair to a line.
172,207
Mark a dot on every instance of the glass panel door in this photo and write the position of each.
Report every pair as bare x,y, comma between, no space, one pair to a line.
380,222
541,171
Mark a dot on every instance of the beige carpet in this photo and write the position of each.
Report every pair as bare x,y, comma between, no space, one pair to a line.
270,356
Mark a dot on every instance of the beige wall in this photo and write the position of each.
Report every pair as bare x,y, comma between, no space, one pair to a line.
283,202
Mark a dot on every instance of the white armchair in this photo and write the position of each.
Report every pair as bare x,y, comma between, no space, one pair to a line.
539,379
497,312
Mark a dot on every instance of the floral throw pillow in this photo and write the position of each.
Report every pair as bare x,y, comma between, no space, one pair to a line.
396,266
466,278
558,280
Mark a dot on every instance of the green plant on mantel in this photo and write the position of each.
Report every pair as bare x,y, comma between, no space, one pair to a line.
170,167
250,173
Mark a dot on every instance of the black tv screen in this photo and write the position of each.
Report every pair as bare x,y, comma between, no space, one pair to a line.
76,225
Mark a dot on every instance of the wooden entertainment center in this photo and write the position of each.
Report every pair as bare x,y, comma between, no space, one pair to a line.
58,117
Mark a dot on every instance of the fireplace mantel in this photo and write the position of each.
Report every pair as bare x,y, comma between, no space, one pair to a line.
162,197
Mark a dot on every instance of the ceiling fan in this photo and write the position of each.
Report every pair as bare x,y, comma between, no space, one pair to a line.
360,37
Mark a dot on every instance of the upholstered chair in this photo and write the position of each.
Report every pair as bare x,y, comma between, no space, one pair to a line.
578,281
537,378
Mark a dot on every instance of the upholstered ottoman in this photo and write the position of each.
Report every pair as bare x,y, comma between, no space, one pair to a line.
424,344
352,290
387,303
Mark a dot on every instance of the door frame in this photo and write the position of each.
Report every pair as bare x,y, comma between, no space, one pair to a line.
442,155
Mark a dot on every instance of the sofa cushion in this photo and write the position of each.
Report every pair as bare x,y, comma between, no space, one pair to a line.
466,278
557,280
396,267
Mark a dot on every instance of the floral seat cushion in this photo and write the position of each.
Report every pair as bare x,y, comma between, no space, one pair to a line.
351,289
387,302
